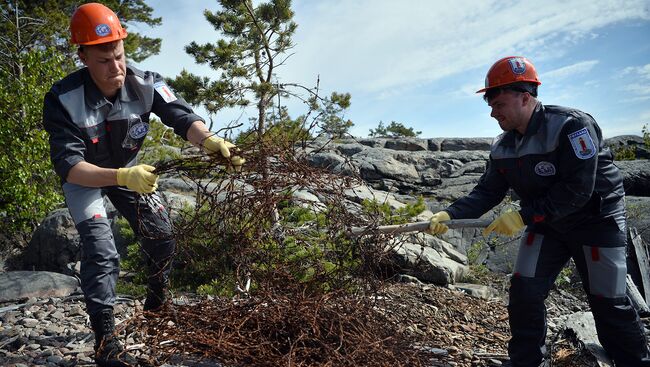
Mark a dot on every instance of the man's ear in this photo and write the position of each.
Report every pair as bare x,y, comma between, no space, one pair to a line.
82,56
526,97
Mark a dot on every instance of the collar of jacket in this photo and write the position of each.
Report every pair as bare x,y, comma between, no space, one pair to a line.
536,121
94,97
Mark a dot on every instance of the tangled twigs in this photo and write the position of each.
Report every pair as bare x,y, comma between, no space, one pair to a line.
282,223
291,329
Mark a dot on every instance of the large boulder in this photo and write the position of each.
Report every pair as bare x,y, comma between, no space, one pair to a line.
458,144
18,285
634,142
637,215
636,176
56,246
429,264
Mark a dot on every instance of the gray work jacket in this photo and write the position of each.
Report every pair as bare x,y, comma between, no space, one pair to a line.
560,169
84,126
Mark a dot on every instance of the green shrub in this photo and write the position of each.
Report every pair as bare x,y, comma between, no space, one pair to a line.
625,153
389,215
478,274
30,189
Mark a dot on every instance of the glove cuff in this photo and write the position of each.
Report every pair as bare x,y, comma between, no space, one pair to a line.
121,176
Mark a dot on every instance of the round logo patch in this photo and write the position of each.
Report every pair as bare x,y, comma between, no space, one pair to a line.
138,130
545,169
102,30
517,65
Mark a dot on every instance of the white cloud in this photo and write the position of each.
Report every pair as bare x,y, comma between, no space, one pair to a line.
641,71
426,58
570,70
637,83
374,45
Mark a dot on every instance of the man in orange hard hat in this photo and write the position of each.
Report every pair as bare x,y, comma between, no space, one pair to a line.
572,206
97,119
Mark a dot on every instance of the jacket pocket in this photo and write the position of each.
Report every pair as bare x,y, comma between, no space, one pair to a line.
97,145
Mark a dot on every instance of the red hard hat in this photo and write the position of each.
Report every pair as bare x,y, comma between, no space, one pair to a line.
511,69
94,23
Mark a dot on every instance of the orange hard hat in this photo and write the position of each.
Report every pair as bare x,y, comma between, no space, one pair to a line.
94,23
508,70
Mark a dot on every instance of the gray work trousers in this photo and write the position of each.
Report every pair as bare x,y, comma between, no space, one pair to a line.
599,255
99,257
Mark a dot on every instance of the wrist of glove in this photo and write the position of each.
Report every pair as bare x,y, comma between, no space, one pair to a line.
507,224
435,227
138,178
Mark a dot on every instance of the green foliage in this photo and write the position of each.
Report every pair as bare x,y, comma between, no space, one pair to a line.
133,261
160,143
393,216
331,116
30,189
625,153
130,288
256,37
478,274
393,130
44,24
630,152
565,279
474,251
282,130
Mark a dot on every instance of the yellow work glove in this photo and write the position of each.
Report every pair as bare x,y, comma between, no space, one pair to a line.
508,224
215,144
435,227
237,162
138,178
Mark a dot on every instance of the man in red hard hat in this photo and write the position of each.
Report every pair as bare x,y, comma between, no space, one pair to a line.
572,207
97,119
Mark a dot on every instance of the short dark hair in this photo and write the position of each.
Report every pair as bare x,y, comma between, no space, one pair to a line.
521,87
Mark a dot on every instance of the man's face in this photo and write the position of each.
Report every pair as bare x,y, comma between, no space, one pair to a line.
107,66
508,110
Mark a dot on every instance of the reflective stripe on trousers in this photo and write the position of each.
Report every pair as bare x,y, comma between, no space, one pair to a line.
602,268
99,257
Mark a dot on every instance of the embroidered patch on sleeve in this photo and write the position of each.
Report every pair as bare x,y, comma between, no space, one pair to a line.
583,145
164,91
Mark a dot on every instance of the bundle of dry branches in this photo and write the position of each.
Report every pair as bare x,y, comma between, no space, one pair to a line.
313,296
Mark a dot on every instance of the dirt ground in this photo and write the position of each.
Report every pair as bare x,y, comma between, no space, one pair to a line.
475,331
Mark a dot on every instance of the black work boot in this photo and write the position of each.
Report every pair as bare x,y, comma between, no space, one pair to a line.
156,298
108,350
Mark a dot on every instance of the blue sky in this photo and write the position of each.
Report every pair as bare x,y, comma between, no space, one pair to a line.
420,62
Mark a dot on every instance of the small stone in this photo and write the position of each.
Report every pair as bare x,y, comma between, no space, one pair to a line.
54,359
40,315
77,311
58,315
85,359
29,322
438,351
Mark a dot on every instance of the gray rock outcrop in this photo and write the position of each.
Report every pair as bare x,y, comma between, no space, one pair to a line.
396,171
18,285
